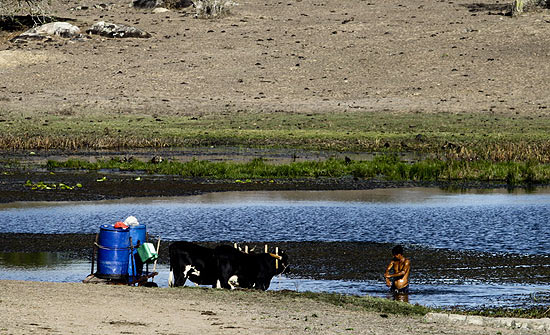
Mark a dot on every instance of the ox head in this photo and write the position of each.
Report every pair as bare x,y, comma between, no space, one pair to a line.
281,261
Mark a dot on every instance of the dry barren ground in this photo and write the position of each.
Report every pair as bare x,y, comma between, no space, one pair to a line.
71,308
288,56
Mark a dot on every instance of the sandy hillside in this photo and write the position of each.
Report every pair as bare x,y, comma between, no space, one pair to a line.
73,308
292,55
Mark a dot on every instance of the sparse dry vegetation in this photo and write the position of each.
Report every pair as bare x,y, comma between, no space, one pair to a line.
37,9
521,6
445,136
212,8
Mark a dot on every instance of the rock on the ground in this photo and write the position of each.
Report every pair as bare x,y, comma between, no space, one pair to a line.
148,3
63,29
162,3
160,10
514,323
116,30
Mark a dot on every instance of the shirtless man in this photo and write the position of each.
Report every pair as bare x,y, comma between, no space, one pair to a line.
398,282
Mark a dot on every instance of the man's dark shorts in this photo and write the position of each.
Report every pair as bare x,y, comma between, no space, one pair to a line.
396,290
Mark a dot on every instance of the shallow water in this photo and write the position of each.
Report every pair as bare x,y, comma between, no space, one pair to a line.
486,221
58,267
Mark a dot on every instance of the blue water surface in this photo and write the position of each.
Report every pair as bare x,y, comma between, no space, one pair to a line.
493,222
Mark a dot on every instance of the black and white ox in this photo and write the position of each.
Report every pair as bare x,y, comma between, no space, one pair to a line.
223,266
193,262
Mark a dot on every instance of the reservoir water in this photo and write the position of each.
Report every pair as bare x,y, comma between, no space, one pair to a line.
512,224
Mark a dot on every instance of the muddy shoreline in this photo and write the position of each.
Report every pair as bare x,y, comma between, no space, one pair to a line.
108,185
17,168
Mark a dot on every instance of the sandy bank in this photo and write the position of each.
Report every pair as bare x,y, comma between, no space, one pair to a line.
73,308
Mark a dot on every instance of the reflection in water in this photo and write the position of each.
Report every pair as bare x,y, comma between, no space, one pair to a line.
415,195
403,297
31,259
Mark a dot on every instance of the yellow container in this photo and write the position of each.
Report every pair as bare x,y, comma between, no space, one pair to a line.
147,252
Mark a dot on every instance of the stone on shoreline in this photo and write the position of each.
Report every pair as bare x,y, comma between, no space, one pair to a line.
62,29
514,323
148,3
107,29
160,10
162,3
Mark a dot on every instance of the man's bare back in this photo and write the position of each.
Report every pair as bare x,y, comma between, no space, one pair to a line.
399,280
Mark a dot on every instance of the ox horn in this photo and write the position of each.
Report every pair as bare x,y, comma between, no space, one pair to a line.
275,256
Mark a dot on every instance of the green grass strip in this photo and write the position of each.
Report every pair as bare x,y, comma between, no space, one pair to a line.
467,136
366,303
383,167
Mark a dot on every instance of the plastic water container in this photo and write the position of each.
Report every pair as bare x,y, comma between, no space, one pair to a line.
147,252
113,252
138,235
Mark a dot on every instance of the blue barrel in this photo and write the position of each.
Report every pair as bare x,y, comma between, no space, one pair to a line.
113,251
138,234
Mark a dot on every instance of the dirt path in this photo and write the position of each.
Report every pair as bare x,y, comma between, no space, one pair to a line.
70,308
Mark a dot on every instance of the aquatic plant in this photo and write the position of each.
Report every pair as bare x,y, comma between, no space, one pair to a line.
383,167
50,186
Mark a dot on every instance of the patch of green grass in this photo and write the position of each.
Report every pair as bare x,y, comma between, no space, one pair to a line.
366,303
445,135
383,167
351,302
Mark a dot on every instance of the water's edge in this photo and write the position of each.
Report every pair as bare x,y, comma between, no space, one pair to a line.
440,278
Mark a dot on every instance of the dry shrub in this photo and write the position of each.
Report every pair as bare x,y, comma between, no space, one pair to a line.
501,152
178,3
37,9
521,6
212,8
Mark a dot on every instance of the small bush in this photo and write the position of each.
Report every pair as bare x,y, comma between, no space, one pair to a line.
37,9
212,8
521,6
177,3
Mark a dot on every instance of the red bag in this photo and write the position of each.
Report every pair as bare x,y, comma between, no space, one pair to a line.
120,224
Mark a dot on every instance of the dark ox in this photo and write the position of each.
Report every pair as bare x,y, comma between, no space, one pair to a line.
223,266
193,262
238,269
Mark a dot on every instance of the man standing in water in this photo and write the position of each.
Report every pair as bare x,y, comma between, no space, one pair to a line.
398,281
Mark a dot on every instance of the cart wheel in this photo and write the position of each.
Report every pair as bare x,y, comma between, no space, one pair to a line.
150,284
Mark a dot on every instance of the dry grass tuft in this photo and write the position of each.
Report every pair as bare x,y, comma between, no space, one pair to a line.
38,10
177,3
212,8
522,6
